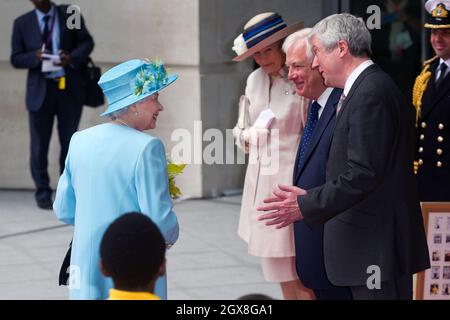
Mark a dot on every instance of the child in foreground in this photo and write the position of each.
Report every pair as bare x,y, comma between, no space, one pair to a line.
132,253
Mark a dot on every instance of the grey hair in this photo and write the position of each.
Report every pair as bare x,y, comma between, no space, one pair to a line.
295,38
344,26
118,113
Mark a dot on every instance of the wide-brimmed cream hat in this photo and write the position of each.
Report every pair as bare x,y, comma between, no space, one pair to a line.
261,31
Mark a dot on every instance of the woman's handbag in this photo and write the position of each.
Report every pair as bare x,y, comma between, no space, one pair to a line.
93,93
63,274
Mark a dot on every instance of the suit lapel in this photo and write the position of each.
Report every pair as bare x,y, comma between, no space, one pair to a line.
433,96
62,25
35,30
359,80
325,118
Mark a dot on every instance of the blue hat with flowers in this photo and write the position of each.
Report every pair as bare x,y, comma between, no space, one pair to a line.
132,81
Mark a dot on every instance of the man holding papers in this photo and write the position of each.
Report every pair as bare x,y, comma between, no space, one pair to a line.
53,55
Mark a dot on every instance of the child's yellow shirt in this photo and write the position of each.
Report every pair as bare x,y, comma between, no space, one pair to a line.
115,294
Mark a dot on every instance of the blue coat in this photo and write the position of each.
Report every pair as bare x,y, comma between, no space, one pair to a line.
310,174
110,170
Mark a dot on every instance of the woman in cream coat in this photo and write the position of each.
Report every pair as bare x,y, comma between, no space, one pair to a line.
270,125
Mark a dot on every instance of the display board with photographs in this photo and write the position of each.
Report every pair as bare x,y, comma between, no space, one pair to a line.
434,283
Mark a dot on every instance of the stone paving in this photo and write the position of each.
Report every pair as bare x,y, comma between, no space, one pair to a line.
209,261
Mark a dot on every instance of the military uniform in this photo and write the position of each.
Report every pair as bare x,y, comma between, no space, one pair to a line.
431,98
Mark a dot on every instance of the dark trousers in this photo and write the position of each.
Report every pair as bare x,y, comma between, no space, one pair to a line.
60,104
396,289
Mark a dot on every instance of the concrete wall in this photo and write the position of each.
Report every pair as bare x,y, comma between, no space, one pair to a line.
193,37
121,30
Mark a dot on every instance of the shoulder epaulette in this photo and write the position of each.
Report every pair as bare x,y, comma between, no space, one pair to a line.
420,85
429,61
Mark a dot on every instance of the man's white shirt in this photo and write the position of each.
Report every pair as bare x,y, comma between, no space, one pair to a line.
355,74
322,101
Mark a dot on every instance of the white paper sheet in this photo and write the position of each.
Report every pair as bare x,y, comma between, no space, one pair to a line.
49,62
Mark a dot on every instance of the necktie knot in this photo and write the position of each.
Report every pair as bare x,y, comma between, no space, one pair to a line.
315,107
443,67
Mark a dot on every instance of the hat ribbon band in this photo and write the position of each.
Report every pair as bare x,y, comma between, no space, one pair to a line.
255,40
118,93
261,26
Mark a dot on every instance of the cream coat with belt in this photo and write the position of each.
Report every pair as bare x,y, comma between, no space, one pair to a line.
272,155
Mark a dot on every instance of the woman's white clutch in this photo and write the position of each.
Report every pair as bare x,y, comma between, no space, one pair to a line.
264,119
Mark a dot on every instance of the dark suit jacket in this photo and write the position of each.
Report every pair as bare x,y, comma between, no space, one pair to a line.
27,39
370,204
434,181
311,174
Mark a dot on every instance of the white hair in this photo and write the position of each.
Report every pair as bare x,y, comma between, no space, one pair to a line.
344,26
120,112
295,38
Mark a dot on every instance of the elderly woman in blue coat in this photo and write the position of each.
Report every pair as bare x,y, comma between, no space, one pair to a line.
114,168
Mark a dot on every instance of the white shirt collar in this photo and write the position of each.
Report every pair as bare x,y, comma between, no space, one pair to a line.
438,70
355,74
324,97
322,101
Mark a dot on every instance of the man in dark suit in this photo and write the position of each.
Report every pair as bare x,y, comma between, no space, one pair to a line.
50,93
311,160
431,97
374,239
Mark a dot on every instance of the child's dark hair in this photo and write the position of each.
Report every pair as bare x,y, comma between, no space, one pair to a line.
132,250
255,296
